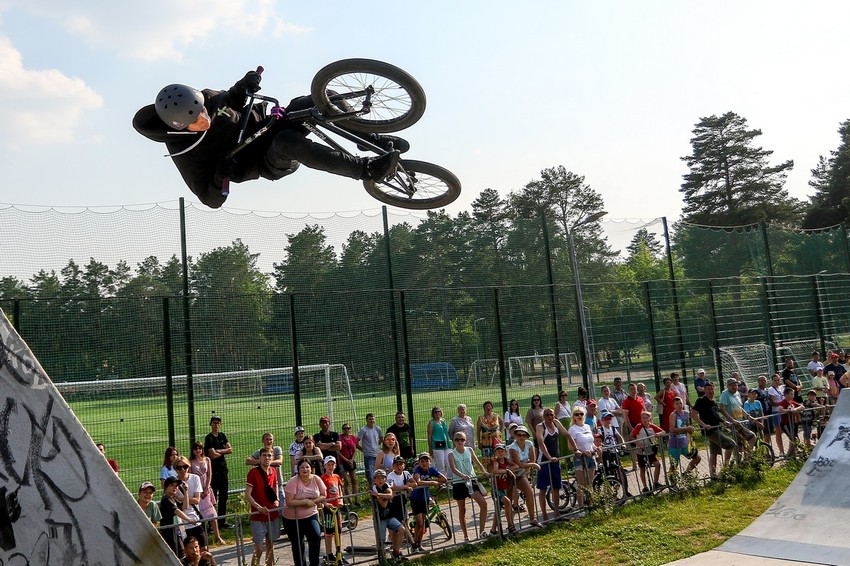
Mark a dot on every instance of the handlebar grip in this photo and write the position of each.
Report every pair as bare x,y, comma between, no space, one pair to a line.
260,69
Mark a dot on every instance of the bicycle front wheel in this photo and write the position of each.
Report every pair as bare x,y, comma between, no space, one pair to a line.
397,100
417,185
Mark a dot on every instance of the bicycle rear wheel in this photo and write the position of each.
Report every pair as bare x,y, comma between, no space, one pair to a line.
397,100
417,185
764,451
443,523
566,497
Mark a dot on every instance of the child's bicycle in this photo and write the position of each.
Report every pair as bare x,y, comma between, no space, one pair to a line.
366,97
435,515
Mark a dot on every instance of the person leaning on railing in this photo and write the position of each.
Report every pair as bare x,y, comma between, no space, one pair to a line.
707,416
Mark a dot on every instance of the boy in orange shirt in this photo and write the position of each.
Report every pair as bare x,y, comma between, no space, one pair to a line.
333,483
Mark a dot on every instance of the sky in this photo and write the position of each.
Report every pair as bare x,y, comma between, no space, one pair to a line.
611,90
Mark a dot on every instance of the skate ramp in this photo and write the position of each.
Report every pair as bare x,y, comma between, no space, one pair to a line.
810,520
60,501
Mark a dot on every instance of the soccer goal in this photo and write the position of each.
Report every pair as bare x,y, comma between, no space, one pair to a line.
483,371
749,360
522,369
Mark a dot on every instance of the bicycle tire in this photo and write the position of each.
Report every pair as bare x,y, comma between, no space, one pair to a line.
443,523
353,518
398,100
613,482
765,452
417,185
566,498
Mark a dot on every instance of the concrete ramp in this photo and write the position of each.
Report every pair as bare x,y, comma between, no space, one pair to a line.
810,520
60,502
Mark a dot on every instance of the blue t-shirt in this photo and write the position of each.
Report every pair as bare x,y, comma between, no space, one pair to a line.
423,493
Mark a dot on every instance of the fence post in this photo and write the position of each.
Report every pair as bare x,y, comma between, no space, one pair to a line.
16,316
293,344
408,382
500,348
846,245
393,326
550,279
818,314
715,335
768,319
187,326
169,377
676,315
653,347
768,259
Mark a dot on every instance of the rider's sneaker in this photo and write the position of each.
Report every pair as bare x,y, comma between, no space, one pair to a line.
381,167
384,141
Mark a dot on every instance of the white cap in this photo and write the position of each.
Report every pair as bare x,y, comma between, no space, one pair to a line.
329,459
700,370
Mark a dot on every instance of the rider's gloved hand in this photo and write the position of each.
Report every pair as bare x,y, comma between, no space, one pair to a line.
251,81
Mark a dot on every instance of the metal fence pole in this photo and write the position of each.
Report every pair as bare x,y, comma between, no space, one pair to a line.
169,378
818,313
393,326
550,279
296,378
16,315
676,314
500,349
715,334
408,382
653,346
187,325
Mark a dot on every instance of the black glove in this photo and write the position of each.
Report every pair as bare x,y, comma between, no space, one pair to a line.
251,82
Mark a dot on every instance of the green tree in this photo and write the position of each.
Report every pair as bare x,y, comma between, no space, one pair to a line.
310,262
830,205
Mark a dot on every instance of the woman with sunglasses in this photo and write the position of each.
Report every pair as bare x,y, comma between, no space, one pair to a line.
462,462
563,410
348,467
190,489
388,452
438,441
200,465
522,457
584,449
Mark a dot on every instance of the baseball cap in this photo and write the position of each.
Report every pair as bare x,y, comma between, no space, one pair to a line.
499,446
380,472
169,480
607,415
591,403
834,356
398,459
731,380
329,459
215,418
424,455
147,485
325,419
299,429
700,370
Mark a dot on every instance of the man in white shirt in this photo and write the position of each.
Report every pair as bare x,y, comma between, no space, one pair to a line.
813,365
606,403
776,394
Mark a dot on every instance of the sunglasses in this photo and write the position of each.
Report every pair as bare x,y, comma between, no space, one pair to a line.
181,467
460,440
578,414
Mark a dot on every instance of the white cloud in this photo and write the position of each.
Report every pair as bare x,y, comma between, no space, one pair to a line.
161,29
42,106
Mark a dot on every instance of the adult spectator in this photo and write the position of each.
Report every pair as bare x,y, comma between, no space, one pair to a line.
581,398
592,416
844,360
563,414
488,433
172,513
834,365
167,470
327,440
646,444
425,476
438,441
699,383
632,408
190,489
403,433
348,463
331,521
732,407
295,449
776,392
194,556
582,444
462,422
709,418
313,455
388,453
812,366
512,416
200,465
763,397
665,399
304,493
465,484
679,388
146,502
523,457
645,396
548,433
618,393
217,447
534,415
608,404
112,463
369,440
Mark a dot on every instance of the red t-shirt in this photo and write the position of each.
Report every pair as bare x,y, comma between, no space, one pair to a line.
635,407
783,417
333,483
258,480
668,408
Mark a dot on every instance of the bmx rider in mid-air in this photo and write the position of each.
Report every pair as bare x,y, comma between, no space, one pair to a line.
201,129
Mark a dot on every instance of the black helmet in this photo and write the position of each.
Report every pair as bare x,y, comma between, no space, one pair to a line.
179,105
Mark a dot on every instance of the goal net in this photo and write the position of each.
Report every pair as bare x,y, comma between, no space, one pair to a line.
749,360
540,367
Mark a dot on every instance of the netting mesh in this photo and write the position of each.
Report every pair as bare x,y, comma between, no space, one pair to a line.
458,311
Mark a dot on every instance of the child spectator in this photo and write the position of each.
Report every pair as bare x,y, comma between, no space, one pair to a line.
504,485
383,496
425,476
809,416
331,521
647,448
789,409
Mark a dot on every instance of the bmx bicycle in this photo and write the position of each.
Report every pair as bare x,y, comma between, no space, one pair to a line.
354,98
435,515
